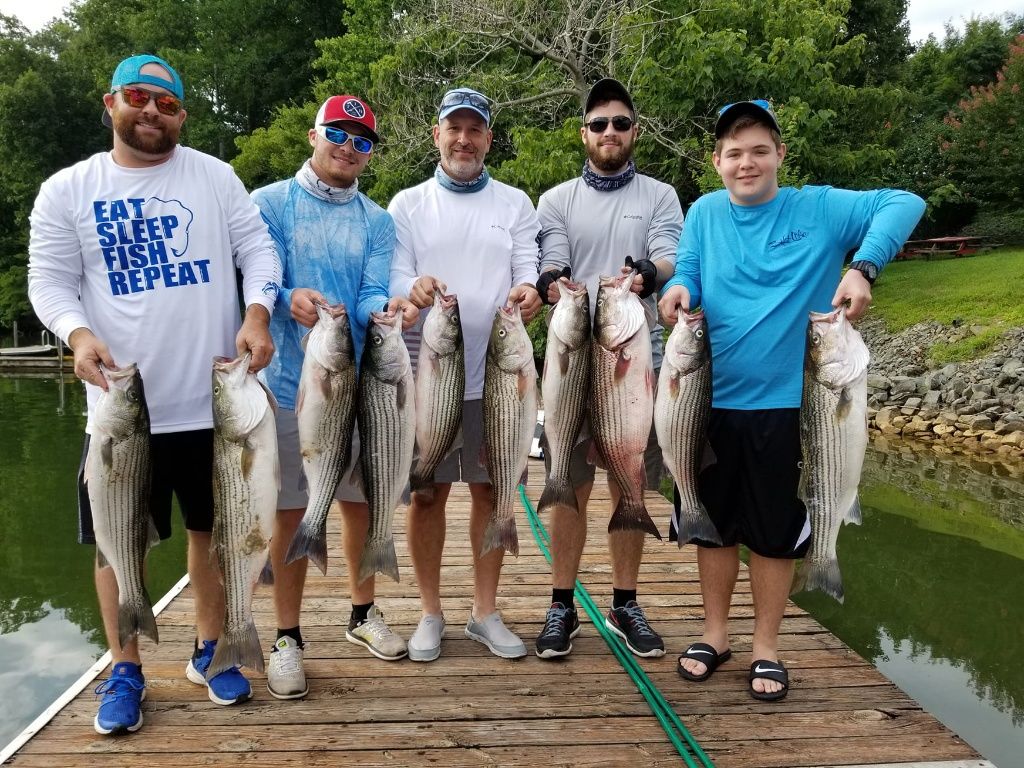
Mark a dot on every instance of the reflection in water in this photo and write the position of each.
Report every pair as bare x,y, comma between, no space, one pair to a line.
933,592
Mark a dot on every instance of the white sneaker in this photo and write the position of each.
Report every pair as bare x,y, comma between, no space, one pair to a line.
376,636
492,632
286,679
425,643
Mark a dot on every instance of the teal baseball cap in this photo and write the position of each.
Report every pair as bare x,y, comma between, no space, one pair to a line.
128,72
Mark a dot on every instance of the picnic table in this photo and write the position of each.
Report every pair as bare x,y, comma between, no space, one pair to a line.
944,247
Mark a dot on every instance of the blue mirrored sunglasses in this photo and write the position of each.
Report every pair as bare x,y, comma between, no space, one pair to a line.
337,136
455,98
759,102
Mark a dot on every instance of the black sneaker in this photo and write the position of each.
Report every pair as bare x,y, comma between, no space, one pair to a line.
560,627
631,625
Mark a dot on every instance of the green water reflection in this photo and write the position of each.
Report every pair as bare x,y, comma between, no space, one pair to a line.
50,629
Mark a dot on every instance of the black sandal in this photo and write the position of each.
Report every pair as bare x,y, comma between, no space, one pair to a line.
769,670
707,656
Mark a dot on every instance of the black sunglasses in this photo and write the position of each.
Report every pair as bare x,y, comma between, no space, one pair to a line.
620,123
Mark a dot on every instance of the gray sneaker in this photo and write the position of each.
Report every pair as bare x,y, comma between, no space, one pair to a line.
376,636
492,632
425,643
286,679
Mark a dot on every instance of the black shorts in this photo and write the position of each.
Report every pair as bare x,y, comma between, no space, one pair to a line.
182,466
750,479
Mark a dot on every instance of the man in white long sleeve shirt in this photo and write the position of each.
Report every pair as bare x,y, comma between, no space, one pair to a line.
132,258
462,232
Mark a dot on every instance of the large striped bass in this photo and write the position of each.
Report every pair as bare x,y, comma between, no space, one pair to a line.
681,411
387,431
565,387
118,476
833,438
510,416
246,478
326,412
440,391
622,402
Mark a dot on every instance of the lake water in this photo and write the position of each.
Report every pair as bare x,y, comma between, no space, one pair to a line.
933,578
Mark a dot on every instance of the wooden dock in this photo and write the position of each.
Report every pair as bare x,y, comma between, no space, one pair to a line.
470,709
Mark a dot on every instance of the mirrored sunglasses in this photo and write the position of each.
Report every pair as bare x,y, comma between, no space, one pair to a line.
759,102
137,98
360,144
620,123
457,98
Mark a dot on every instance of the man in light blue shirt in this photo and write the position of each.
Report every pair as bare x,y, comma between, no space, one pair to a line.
758,258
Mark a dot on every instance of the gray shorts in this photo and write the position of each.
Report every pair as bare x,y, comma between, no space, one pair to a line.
294,493
465,464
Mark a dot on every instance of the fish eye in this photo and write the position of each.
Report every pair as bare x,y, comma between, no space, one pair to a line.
455,318
815,339
377,340
216,389
502,333
699,333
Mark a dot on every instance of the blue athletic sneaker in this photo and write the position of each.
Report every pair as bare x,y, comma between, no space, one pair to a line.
123,692
229,687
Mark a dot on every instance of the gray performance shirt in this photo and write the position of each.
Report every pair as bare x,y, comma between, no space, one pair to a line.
592,232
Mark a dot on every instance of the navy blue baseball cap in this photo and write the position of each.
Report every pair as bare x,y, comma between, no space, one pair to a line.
608,89
757,108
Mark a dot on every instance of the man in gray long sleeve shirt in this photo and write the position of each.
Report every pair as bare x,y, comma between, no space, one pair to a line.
591,224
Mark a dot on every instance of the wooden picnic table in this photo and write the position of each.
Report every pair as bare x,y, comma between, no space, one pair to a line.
953,245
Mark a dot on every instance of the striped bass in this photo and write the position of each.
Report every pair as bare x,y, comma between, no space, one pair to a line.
510,416
387,431
118,476
833,438
246,478
565,387
622,401
440,391
326,412
681,411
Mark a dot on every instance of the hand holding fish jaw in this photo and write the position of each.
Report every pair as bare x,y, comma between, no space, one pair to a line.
90,353
254,337
303,308
423,290
854,289
410,312
527,298
675,298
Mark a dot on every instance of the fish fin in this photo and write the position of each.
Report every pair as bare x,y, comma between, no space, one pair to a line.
248,459
422,483
635,520
524,382
696,524
822,575
557,493
563,359
300,398
500,534
267,574
854,516
309,543
271,400
379,556
673,387
101,559
323,381
622,362
845,403
240,648
136,618
152,535
107,452
400,394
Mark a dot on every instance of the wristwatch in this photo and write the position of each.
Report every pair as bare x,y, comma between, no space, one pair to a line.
866,268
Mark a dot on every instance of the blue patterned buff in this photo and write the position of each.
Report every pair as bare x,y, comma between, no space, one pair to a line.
453,185
608,183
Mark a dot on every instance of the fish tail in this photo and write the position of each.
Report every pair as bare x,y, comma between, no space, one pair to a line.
240,648
821,575
267,574
636,518
379,556
311,544
695,524
854,516
501,533
558,492
422,484
136,619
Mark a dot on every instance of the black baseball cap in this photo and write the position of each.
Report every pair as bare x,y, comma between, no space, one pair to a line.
608,89
758,108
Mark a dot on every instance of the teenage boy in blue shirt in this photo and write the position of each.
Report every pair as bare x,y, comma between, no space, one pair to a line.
757,258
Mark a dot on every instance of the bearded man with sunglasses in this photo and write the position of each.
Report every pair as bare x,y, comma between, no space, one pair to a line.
336,246
609,219
132,258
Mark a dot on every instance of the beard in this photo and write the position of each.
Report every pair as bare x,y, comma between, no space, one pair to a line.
158,144
609,157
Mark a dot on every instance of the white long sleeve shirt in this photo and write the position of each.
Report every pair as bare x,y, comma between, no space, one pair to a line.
145,258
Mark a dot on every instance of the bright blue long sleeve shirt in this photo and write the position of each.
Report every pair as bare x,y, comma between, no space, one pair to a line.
758,270
343,250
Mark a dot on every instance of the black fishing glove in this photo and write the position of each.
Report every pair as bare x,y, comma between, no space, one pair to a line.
648,273
546,279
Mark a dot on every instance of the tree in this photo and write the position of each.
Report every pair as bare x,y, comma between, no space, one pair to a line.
886,38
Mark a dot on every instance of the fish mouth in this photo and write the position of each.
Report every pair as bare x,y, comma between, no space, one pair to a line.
332,311
446,300
510,312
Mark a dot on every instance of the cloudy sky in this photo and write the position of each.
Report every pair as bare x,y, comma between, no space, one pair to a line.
926,16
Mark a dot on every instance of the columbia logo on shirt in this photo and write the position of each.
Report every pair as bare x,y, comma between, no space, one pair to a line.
144,243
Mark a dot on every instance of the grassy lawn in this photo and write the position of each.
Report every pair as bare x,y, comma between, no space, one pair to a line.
983,290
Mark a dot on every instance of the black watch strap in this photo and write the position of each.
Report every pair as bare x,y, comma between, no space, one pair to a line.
867,268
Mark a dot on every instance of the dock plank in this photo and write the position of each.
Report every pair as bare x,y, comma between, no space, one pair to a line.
470,708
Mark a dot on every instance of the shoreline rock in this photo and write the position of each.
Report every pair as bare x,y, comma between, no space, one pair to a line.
974,408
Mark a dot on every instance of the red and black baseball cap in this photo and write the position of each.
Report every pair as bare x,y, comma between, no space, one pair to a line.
348,109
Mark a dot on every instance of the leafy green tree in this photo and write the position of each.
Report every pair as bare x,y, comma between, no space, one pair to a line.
886,38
